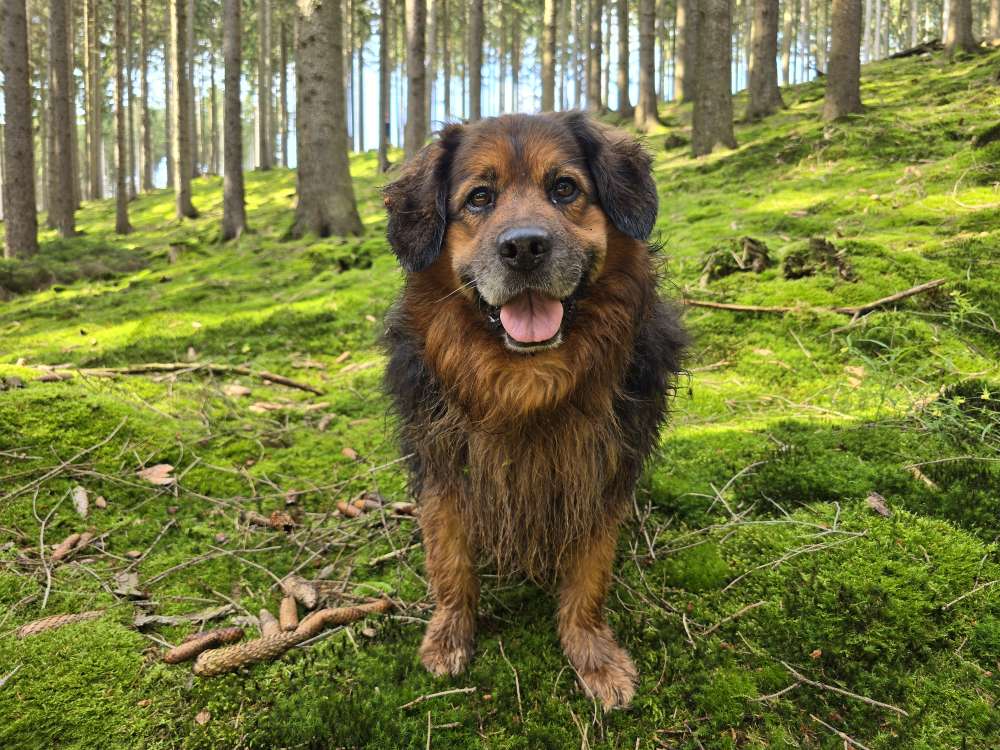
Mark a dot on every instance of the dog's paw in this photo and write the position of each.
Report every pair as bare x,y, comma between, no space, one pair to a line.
612,681
444,656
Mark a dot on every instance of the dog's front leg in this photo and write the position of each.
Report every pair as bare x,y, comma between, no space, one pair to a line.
605,669
448,641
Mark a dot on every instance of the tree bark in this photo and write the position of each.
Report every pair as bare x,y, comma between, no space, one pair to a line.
786,41
168,119
383,87
764,94
60,120
416,77
20,216
994,20
646,116
130,97
283,91
594,50
430,74
625,108
122,225
95,104
213,159
549,11
191,100
958,37
180,145
712,122
804,37
445,26
74,145
234,217
515,58
325,193
867,48
475,58
843,84
264,148
686,50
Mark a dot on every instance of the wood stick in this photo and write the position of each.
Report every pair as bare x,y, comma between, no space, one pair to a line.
856,310
215,369
834,689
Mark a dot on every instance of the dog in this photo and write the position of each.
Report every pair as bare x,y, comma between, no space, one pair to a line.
530,360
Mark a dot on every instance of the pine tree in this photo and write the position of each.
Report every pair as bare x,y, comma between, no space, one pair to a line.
843,85
234,218
712,121
122,225
416,77
764,94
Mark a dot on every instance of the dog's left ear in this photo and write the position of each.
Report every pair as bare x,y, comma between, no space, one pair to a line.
417,202
621,170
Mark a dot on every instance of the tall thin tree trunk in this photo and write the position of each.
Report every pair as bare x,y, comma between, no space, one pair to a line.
214,143
646,116
549,55
579,45
445,26
712,122
804,37
562,37
383,86
122,225
191,97
515,58
168,120
61,120
325,193
594,50
606,55
786,41
20,216
764,94
180,147
95,103
283,90
74,136
130,94
823,37
958,37
843,85
361,96
994,19
475,59
416,77
234,217
867,49
502,60
430,74
686,50
877,37
625,109
264,147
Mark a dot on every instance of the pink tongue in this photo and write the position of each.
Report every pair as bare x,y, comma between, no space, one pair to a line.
531,317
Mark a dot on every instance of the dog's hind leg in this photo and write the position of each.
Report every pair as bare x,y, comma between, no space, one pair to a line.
448,641
605,669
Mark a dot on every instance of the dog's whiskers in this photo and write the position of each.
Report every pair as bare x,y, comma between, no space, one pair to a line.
467,285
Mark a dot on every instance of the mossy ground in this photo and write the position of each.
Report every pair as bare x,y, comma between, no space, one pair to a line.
753,510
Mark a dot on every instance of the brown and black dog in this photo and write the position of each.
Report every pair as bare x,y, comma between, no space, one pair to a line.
530,359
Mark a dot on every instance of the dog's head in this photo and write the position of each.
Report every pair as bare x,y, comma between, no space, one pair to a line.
517,212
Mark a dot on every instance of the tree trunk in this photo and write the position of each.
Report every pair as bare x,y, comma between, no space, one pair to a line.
361,96
430,74
823,37
74,145
264,147
712,122
958,37
95,102
130,94
61,120
416,77
549,55
283,90
843,85
764,94
804,37
191,101
579,42
878,30
625,109
502,58
868,49
994,20
515,58
686,50
786,41
234,217
445,26
646,115
122,225
562,42
168,119
180,146
383,86
20,216
594,50
325,193
214,141
475,58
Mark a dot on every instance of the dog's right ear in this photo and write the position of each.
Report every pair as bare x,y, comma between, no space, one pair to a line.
417,202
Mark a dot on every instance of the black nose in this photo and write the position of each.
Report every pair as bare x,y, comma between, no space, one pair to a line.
524,248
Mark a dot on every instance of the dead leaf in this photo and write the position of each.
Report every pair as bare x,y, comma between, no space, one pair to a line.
235,389
127,584
856,371
350,453
281,521
815,654
202,718
144,702
798,214
853,382
878,504
81,502
133,554
158,474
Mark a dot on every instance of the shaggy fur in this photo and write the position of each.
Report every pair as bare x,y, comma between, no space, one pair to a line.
528,461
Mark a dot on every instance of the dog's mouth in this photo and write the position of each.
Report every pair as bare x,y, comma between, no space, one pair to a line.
531,321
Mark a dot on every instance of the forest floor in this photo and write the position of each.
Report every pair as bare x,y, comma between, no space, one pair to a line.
766,600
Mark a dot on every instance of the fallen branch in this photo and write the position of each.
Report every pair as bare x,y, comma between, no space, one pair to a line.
856,310
848,740
833,689
422,698
214,369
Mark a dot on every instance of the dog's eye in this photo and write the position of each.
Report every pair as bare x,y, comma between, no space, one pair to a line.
564,191
479,198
